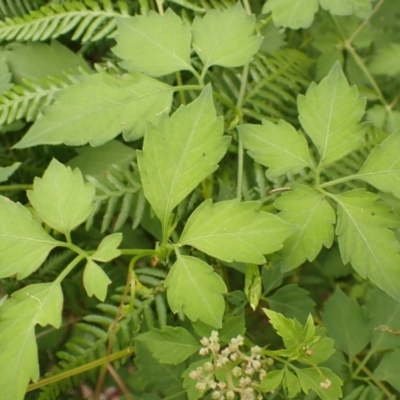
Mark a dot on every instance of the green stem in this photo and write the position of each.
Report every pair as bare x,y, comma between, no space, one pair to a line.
5,188
242,92
340,180
81,369
69,268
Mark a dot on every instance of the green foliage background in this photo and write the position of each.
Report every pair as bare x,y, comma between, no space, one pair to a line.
187,169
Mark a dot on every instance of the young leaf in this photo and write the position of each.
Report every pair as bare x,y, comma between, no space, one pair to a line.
40,303
193,286
95,280
327,387
330,113
24,244
154,44
180,152
170,345
98,109
225,37
312,217
277,146
108,248
346,323
233,231
291,14
292,301
253,285
361,8
366,241
6,172
382,167
61,199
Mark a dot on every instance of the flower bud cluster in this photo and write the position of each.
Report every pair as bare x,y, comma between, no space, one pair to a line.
242,372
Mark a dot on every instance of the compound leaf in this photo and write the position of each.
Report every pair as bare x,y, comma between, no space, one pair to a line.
24,244
330,113
154,44
95,280
61,198
181,152
170,345
312,217
310,379
382,167
277,146
40,303
292,14
366,241
99,108
192,285
225,37
233,231
346,323
108,248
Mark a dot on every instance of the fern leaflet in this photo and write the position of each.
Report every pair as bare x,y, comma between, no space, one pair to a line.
89,21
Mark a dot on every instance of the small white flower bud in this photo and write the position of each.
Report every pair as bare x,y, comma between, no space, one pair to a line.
208,366
237,372
201,386
256,364
216,395
204,341
203,351
326,384
230,395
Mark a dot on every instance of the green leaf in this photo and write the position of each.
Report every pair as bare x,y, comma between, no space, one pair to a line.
24,244
272,277
288,329
225,37
155,377
366,241
346,323
6,172
384,318
382,167
34,60
387,370
233,327
95,280
170,345
330,113
320,351
154,44
61,199
277,146
181,152
233,231
291,14
272,380
387,61
98,109
194,287
291,383
312,217
96,161
5,75
108,248
253,285
361,8
310,379
40,303
292,301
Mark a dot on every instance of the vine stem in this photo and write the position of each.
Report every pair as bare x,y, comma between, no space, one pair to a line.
81,369
5,188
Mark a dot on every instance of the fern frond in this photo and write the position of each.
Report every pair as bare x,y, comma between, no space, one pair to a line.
121,195
12,8
203,5
88,20
25,102
275,83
